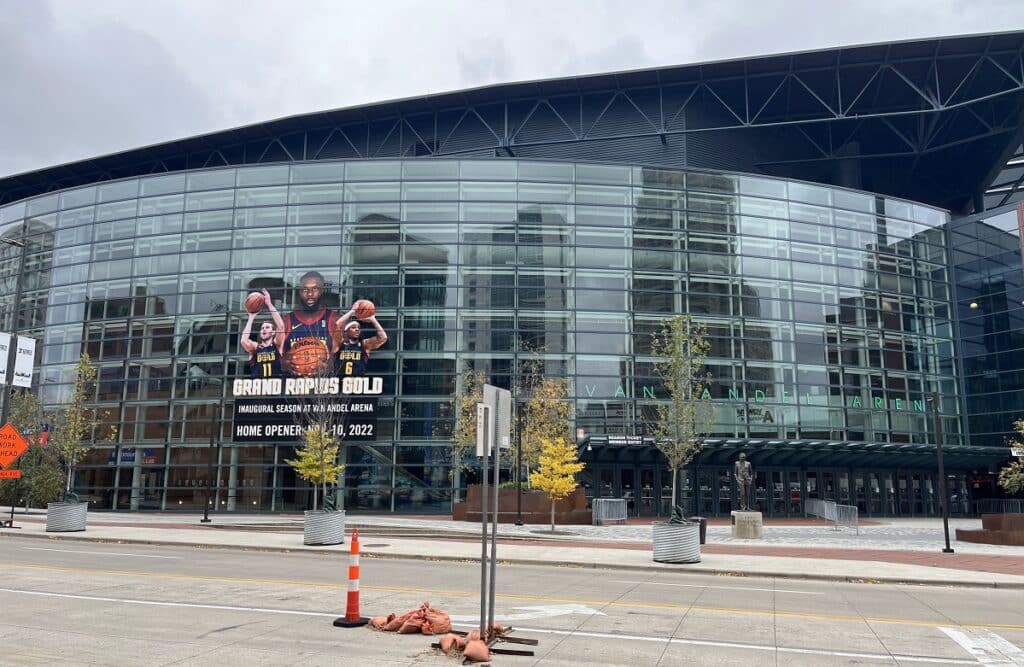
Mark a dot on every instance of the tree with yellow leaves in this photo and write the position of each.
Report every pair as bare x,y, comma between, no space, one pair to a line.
316,459
556,475
547,412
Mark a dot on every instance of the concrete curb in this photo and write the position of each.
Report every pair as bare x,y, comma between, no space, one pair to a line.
653,567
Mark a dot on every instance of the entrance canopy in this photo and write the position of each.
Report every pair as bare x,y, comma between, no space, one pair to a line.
802,453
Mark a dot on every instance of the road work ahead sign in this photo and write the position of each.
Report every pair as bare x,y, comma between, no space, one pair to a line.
12,445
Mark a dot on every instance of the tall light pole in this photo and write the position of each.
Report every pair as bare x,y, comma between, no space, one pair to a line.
12,348
933,398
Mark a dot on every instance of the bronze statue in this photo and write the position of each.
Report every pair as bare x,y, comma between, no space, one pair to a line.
744,474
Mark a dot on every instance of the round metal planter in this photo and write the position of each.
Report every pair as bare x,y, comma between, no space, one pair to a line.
676,542
320,527
65,517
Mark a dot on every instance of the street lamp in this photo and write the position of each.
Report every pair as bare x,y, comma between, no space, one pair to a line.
933,398
12,348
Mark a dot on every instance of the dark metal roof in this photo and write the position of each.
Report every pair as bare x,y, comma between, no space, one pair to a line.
932,120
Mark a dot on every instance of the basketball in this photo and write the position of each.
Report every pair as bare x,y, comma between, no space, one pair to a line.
254,302
364,309
308,357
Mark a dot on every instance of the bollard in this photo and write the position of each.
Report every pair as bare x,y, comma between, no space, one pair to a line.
352,619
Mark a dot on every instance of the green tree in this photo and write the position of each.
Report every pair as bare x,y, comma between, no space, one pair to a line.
41,477
685,419
316,459
469,392
557,469
75,422
1011,477
546,413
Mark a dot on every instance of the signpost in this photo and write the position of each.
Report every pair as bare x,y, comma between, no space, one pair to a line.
12,445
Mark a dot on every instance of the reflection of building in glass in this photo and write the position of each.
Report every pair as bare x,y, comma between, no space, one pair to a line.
567,220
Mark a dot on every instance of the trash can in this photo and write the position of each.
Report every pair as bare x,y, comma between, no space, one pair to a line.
703,527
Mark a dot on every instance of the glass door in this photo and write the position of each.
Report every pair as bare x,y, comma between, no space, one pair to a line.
874,495
843,484
724,491
903,494
860,496
760,492
627,480
778,493
648,486
796,501
706,491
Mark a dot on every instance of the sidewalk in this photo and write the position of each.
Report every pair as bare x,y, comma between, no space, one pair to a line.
891,551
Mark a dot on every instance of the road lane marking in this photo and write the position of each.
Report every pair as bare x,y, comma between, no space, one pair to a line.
987,647
724,588
158,603
436,592
886,657
533,612
100,553
572,633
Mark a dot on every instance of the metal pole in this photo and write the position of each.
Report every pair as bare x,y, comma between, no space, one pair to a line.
519,475
12,348
496,447
943,486
209,467
484,460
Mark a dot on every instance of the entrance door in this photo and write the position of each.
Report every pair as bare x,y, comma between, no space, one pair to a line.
646,504
778,491
706,492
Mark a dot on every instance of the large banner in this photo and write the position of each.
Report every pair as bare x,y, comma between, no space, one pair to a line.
23,361
307,368
279,409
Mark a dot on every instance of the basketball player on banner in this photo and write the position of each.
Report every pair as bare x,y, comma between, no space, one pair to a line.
266,352
310,334
353,350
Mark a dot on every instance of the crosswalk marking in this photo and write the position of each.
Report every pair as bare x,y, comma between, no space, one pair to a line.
987,647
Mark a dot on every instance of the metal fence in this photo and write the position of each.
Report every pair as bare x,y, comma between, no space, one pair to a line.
608,509
998,506
840,515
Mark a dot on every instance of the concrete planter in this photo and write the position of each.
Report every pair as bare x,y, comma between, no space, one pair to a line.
66,517
322,527
676,542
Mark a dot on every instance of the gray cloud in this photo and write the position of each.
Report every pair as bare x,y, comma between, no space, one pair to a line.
83,79
75,91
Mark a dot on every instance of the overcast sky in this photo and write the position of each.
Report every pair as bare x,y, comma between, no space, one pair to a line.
82,79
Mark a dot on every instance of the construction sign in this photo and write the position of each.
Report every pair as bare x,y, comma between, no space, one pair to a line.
12,445
10,474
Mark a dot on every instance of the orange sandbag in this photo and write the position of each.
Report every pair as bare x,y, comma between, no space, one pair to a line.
448,642
476,651
378,622
473,634
436,622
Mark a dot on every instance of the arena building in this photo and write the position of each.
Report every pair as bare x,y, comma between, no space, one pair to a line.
844,222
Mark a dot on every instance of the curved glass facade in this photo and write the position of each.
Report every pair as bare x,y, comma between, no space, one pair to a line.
829,309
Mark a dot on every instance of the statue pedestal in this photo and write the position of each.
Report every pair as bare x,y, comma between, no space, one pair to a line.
747,524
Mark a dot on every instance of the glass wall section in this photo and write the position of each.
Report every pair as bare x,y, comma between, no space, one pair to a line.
989,282
829,310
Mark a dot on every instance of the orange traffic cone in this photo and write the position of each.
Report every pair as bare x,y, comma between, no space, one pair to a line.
352,619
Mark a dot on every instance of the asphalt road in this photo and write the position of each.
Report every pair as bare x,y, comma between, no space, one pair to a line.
115,604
